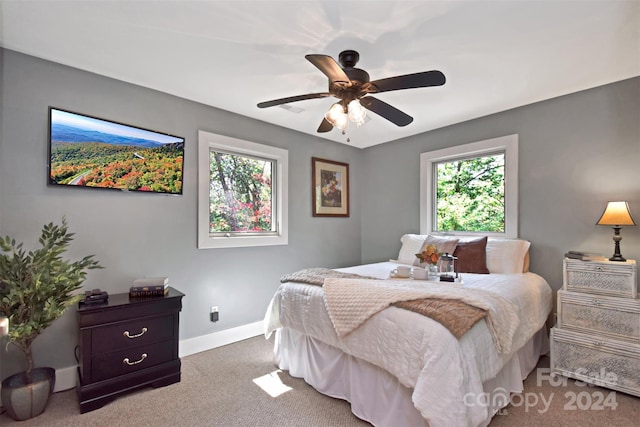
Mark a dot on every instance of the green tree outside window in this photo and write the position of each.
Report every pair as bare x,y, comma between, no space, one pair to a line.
240,194
471,194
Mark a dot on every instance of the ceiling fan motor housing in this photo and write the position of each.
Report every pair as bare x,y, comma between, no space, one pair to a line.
356,88
348,58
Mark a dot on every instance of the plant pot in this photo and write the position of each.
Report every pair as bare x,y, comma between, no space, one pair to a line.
24,399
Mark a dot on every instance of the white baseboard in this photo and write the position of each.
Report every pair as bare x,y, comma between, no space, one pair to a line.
67,378
218,339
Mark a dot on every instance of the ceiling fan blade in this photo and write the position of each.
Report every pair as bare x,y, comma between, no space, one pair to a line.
325,126
329,67
293,99
385,110
410,81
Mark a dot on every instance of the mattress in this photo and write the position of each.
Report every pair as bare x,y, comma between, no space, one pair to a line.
420,353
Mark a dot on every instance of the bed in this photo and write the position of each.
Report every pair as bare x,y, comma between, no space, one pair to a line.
399,367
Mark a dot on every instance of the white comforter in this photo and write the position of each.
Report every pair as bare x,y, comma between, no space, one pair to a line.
350,302
417,350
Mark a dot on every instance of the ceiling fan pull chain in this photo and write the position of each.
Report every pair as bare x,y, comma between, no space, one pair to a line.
344,133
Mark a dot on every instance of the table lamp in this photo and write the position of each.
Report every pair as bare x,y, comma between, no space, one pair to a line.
616,215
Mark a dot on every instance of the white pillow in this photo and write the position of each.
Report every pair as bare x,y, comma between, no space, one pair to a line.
507,256
442,244
411,245
414,243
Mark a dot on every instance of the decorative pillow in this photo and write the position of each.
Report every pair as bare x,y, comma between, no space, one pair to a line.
411,244
415,243
472,256
507,256
444,245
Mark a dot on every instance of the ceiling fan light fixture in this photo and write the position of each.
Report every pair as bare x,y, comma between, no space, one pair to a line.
342,122
337,117
357,113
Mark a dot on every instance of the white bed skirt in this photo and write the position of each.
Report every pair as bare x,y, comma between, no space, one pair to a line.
375,395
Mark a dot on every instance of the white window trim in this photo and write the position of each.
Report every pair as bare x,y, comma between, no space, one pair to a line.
207,141
508,144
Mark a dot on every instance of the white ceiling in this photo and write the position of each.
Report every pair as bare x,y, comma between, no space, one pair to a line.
496,55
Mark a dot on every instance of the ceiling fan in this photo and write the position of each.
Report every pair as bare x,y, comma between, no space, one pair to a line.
352,87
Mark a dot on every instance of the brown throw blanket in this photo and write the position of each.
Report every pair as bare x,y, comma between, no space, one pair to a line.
457,316
316,276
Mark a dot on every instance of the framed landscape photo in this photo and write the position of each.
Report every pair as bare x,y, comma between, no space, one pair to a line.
330,187
89,152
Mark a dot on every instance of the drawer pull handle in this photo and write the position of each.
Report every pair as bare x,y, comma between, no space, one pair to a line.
128,335
595,302
598,268
126,360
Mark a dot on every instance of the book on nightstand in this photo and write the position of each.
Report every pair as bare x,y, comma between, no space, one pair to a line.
585,256
150,287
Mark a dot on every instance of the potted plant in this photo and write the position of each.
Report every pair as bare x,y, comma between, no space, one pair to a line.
36,288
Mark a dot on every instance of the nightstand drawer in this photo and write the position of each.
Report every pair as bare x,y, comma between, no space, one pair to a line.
603,362
131,333
126,361
617,318
604,278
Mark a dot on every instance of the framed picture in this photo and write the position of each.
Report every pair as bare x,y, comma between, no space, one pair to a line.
329,187
94,153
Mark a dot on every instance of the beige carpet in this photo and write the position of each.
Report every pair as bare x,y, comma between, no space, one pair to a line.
217,389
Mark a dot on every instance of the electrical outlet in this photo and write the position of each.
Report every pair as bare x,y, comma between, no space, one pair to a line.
214,313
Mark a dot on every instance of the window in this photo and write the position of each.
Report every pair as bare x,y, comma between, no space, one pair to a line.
242,193
471,189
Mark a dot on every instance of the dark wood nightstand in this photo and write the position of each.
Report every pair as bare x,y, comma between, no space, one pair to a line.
125,344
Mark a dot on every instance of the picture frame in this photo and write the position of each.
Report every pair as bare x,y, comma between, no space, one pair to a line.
329,188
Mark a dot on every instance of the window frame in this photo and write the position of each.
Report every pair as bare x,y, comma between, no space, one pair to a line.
280,178
428,170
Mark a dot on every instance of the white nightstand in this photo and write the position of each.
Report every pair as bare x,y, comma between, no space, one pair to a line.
597,337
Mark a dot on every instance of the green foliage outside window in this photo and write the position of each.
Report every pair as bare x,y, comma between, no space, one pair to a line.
471,194
240,193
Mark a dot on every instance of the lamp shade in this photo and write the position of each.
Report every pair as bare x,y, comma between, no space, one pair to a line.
337,117
339,114
616,214
357,113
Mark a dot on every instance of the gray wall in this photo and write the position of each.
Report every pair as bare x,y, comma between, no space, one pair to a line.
137,235
576,152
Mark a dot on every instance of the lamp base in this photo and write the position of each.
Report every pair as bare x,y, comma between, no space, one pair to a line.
616,250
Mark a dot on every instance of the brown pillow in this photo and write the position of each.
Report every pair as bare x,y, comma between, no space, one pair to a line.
444,245
472,256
